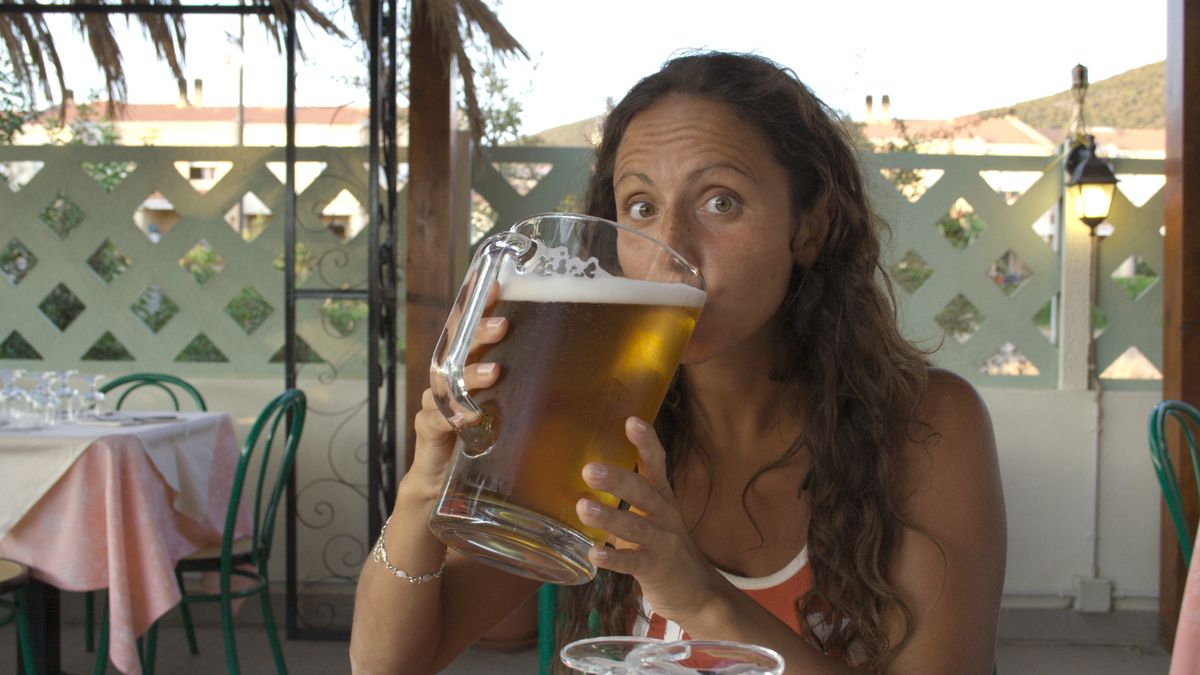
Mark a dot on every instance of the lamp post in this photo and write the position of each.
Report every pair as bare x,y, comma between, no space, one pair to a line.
1090,185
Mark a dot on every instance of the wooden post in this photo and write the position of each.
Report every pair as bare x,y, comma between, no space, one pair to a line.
1181,278
431,180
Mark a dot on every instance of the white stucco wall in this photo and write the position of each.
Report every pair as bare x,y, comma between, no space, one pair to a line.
1046,453
1046,447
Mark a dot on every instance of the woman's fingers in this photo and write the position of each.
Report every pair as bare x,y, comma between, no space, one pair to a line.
652,459
431,422
623,525
490,331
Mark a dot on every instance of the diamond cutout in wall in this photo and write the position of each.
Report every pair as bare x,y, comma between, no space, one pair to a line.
304,353
155,216
343,316
1139,188
401,175
1046,227
306,173
912,183
1099,322
62,215
306,262
1009,272
961,225
16,261
202,262
201,350
108,175
249,216
523,176
108,262
960,318
1134,276
1009,361
249,309
61,306
15,346
911,271
483,217
107,348
344,216
203,175
1132,364
154,308
1044,320
18,174
1010,184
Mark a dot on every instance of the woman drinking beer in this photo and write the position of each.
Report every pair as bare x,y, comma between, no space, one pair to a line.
810,485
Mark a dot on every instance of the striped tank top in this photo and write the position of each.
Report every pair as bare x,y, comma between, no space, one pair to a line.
778,593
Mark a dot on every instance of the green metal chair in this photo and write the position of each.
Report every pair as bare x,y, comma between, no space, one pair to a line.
1168,479
233,555
547,610
13,578
128,384
162,381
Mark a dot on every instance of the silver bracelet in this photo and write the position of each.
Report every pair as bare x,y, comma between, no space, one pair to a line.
380,556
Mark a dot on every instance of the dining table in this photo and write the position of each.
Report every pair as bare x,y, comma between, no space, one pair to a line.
113,502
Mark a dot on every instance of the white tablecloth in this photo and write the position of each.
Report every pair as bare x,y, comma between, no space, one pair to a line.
32,461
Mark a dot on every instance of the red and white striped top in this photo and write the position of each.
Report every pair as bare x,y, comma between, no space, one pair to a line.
778,593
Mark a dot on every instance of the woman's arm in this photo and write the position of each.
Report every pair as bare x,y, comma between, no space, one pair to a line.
402,627
948,566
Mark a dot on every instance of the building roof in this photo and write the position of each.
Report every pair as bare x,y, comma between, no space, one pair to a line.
159,113
992,131
1128,140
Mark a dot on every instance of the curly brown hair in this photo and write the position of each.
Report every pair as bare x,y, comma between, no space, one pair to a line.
850,375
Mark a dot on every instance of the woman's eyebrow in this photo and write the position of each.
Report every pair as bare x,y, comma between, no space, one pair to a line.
640,176
697,173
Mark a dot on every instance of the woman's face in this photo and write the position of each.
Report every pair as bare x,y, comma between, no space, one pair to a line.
690,173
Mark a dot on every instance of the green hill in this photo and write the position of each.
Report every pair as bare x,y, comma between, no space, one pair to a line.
1135,99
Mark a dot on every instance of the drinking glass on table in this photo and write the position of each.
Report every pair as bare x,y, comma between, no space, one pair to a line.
13,402
45,402
91,400
603,655
710,657
68,396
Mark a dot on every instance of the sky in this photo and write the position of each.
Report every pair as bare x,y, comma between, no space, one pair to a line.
933,58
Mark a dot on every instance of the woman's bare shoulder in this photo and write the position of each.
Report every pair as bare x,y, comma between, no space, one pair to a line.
950,439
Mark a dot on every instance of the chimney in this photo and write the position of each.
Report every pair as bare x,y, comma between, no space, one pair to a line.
68,102
608,104
182,102
198,92
885,107
870,109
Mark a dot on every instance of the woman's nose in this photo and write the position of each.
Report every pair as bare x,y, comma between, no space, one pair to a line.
676,230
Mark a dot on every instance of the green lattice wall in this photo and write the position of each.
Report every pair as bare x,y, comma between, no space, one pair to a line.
976,280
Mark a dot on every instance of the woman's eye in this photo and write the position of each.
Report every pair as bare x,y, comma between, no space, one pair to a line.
721,204
641,210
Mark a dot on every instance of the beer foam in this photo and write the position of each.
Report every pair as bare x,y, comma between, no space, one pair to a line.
615,290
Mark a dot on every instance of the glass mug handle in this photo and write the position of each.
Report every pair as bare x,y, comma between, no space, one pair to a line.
474,425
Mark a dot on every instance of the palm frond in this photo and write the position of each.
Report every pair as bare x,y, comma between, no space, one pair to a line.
34,56
452,22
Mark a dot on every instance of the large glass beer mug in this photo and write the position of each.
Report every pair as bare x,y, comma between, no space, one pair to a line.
598,316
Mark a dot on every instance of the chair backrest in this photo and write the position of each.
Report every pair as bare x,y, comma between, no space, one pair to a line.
288,409
1164,468
161,381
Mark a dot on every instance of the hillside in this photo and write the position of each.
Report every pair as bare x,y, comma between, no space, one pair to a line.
1135,99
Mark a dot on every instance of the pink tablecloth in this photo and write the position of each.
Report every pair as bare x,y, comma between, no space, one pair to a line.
111,522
